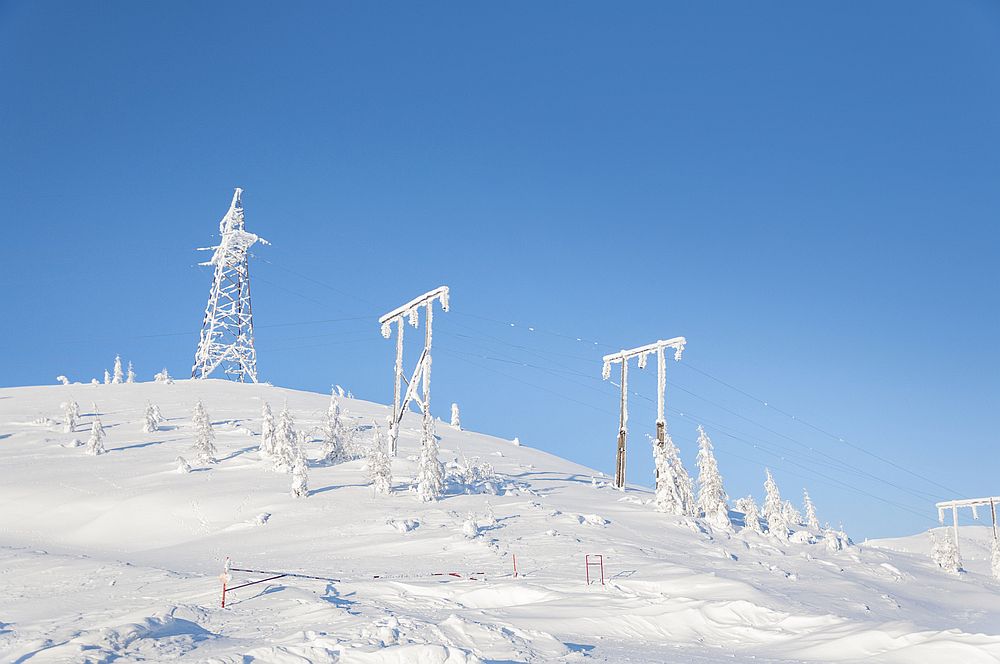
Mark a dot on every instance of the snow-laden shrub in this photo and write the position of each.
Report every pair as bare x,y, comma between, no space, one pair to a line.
283,453
300,476
430,470
456,419
751,515
182,465
335,433
474,476
163,377
379,465
774,508
130,374
811,521
674,489
71,412
712,499
204,445
63,380
944,553
95,444
150,421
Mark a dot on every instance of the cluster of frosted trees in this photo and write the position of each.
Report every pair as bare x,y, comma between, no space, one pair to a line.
119,375
676,494
284,448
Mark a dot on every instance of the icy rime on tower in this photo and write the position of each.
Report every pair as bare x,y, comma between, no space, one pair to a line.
227,330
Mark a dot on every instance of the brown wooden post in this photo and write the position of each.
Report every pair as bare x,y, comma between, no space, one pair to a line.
622,430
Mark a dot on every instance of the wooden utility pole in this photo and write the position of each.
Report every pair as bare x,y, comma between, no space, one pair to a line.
642,353
410,312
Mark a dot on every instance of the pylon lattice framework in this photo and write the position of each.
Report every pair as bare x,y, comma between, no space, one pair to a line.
227,330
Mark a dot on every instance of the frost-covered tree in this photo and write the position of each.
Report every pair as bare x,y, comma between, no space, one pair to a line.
712,498
163,377
300,476
95,444
130,374
793,517
283,452
182,465
107,377
63,380
379,465
430,470
774,508
151,422
204,445
456,418
334,433
811,521
267,428
118,377
995,559
944,553
71,411
751,515
674,489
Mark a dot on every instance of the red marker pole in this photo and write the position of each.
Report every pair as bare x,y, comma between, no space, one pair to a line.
514,555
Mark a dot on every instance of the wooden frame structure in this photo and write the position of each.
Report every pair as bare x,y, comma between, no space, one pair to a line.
973,503
410,312
642,353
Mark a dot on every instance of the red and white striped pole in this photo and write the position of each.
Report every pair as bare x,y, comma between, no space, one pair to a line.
514,556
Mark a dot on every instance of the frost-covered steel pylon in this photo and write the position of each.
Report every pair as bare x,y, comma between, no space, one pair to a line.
227,331
411,313
642,352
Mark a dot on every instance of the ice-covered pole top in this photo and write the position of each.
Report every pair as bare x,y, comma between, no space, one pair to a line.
677,343
410,308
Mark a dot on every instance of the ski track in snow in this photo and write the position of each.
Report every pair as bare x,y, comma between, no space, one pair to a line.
117,557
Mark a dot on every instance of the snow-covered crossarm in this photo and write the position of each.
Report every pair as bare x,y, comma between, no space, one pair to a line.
441,293
642,352
972,503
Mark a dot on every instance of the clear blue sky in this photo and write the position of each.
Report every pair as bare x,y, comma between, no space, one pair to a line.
807,191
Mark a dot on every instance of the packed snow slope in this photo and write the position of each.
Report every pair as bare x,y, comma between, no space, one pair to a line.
117,557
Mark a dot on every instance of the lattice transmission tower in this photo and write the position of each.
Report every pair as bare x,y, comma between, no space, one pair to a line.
227,331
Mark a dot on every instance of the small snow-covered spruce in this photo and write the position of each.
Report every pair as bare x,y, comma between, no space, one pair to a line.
995,559
430,470
130,374
283,452
944,553
456,419
811,521
379,465
63,380
163,377
267,428
774,508
712,498
95,444
334,433
300,476
107,377
151,422
793,517
118,377
674,491
182,465
751,515
71,411
204,445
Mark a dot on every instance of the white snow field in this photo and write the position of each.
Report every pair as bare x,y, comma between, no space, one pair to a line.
117,557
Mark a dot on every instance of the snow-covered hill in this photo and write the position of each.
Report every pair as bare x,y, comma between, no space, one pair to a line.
118,556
